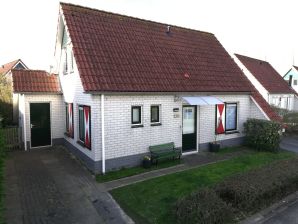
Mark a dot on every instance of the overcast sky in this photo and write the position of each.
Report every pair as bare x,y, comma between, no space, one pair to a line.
262,29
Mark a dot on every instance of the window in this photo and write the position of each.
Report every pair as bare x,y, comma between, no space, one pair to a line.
85,126
295,82
81,124
231,116
136,115
71,61
155,116
65,67
69,119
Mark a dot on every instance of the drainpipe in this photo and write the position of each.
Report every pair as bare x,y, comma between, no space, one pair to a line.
103,159
24,121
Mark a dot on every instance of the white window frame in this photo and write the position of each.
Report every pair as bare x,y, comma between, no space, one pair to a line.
237,117
140,116
159,114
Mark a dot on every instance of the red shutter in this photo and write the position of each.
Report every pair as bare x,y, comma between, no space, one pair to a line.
87,127
220,118
70,119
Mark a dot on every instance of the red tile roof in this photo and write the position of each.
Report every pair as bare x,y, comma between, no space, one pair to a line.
35,81
8,66
266,75
120,53
265,106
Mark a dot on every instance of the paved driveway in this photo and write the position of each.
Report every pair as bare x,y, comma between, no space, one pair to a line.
290,143
50,186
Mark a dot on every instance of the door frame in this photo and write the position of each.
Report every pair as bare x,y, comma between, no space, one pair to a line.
44,146
196,128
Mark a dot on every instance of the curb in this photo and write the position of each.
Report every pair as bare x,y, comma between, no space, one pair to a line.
274,209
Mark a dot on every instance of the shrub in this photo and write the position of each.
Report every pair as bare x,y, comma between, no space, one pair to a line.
291,119
256,189
203,206
262,134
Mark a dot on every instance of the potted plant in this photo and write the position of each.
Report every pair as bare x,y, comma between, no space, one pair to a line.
214,146
147,162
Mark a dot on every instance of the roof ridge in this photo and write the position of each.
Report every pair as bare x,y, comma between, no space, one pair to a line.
29,70
136,18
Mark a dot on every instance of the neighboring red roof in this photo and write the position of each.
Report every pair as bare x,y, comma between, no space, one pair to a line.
265,106
120,53
35,81
8,66
266,75
296,67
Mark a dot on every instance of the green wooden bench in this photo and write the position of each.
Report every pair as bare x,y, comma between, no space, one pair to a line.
164,151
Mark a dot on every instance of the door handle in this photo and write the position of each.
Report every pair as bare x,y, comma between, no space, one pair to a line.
32,126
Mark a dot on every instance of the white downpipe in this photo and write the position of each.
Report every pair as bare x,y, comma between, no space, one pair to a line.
24,121
103,159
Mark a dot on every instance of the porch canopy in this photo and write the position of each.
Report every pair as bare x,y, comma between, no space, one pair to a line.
202,100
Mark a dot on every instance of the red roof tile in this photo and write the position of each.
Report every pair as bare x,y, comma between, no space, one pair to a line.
266,75
265,106
120,53
35,81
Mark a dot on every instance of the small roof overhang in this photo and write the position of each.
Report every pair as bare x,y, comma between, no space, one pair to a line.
202,100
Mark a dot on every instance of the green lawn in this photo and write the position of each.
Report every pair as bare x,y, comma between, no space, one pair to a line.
126,172
152,201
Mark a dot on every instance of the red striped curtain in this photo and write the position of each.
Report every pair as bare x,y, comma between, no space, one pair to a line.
70,120
220,119
87,113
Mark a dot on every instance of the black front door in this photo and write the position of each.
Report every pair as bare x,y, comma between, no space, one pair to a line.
189,133
40,124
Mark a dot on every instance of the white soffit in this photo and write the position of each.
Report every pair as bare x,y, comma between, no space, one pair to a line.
202,100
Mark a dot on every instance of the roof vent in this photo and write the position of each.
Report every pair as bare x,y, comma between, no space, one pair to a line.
168,29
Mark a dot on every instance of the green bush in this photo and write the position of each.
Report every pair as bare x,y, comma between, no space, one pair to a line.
262,135
203,206
291,120
252,191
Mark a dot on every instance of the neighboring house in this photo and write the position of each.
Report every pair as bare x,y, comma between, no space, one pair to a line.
291,77
267,81
129,83
6,70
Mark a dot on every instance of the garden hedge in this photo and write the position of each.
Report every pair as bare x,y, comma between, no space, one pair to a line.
203,206
240,195
262,135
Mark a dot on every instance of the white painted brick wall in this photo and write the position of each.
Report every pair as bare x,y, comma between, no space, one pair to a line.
122,140
73,92
255,111
57,113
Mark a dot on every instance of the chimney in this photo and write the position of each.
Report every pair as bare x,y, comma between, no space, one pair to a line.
168,29
290,80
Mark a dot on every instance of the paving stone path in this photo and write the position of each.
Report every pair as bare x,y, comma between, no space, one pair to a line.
49,186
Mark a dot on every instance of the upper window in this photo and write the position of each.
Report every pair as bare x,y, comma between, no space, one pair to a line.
136,115
231,116
155,118
71,61
295,82
65,67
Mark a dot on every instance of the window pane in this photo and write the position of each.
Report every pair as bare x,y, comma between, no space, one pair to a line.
136,115
81,124
231,117
154,113
188,120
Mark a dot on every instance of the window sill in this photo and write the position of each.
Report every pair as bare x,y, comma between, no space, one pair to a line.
137,126
68,135
155,124
81,144
232,132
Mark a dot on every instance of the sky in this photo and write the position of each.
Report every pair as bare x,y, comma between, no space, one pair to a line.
261,29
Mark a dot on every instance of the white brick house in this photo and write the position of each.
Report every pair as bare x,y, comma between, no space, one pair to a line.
126,84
